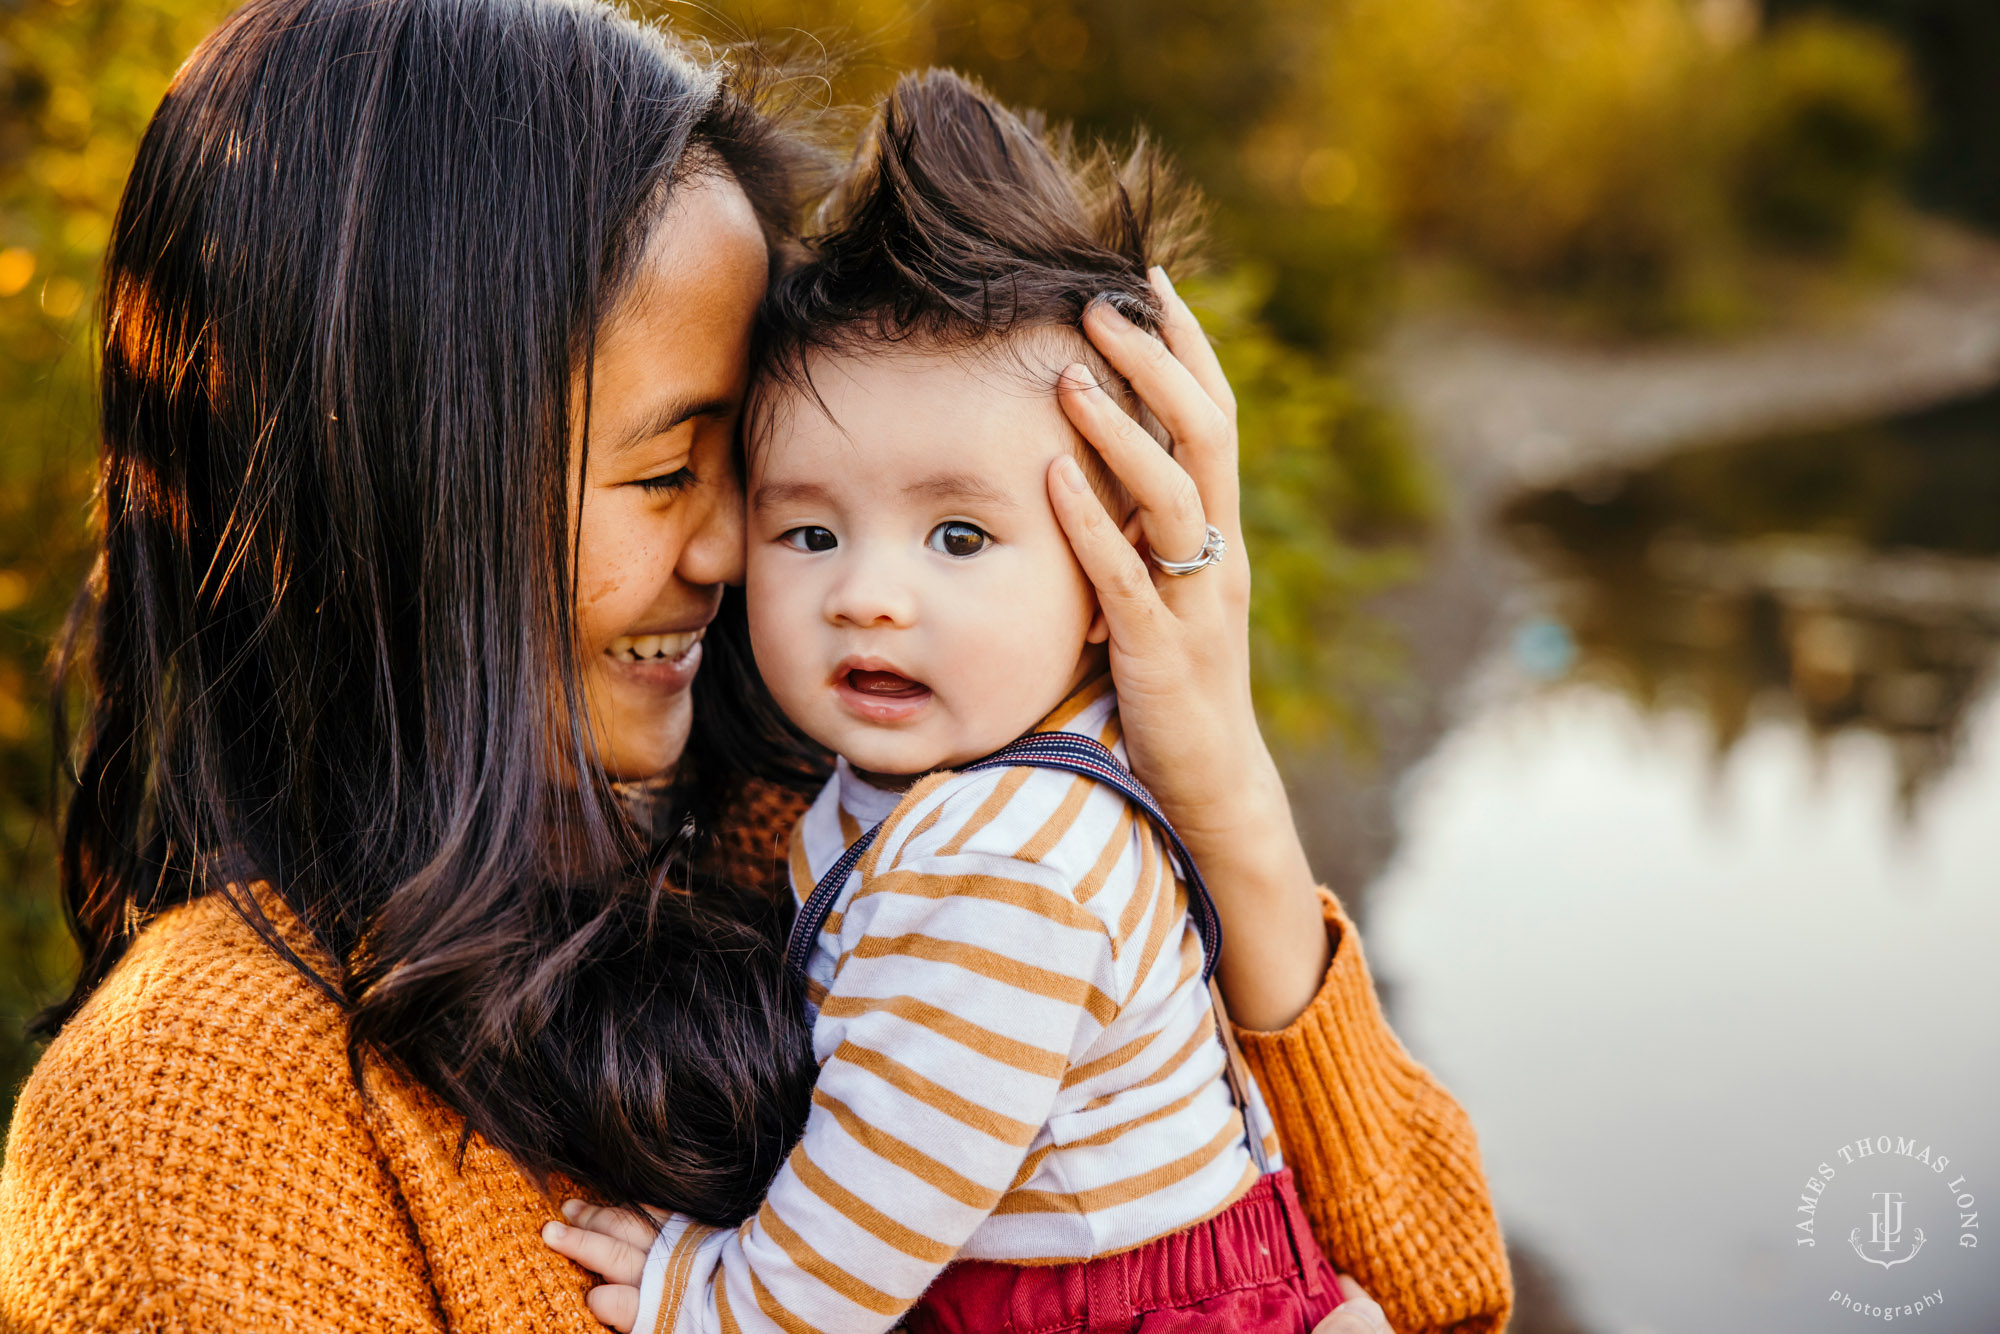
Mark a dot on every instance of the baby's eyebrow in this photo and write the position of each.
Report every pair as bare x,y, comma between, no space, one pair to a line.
771,494
960,486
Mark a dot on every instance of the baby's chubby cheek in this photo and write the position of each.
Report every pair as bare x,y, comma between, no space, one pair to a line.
785,635
1010,666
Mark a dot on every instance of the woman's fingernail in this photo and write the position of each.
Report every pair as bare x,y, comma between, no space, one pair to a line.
1080,379
1071,474
571,1208
553,1231
1106,304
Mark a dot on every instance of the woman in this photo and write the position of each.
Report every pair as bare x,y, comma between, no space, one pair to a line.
421,847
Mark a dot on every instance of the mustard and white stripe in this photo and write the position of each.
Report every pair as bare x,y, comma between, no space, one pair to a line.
1018,1058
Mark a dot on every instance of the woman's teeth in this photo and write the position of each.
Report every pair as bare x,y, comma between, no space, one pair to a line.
653,648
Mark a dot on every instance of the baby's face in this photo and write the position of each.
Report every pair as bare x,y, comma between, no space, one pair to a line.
913,602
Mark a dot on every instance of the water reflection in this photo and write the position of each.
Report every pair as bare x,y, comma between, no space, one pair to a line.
1658,910
1846,580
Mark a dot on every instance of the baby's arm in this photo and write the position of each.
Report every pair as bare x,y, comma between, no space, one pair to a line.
951,1019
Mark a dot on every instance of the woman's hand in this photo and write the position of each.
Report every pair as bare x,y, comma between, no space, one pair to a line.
1358,1313
612,1244
1180,649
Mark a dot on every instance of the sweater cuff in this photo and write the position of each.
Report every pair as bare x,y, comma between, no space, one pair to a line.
1338,1067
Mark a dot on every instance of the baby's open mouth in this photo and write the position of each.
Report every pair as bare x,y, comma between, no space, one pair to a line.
654,648
885,685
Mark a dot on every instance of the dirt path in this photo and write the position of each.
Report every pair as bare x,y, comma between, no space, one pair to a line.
1502,409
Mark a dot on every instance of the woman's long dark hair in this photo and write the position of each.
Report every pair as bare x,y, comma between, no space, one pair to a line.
364,248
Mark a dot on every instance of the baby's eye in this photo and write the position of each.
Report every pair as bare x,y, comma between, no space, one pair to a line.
958,538
809,538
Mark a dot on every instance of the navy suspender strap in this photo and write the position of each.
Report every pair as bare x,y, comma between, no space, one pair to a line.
1087,758
812,913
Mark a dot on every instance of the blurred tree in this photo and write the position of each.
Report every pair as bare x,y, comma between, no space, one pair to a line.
77,82
1633,158
1826,119
1955,45
1224,85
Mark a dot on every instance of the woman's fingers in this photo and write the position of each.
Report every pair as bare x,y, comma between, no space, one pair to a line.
1197,410
1358,1313
1190,346
1183,406
1125,593
616,1305
1170,508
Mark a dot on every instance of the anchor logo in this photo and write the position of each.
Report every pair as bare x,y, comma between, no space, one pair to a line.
1887,1232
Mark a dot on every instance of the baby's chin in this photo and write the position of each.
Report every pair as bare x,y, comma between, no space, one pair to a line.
894,761
894,768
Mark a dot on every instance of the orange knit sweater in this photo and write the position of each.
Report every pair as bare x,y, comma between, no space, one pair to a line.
192,1154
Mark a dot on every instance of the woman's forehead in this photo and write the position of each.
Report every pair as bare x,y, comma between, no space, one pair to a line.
681,331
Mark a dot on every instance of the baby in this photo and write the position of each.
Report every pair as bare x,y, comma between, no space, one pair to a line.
1006,963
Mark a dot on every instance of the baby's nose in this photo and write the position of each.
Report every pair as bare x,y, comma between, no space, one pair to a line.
873,598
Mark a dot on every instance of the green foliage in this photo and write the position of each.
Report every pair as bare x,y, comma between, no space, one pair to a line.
77,82
1635,158
1211,79
1955,47
1327,474
1829,119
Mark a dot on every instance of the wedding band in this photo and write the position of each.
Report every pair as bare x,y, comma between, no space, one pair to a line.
1211,552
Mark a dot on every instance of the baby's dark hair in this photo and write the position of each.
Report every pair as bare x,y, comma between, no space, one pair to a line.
962,222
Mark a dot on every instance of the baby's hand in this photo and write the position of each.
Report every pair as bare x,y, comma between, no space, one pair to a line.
611,1243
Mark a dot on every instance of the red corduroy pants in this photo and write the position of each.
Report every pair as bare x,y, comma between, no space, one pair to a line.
1252,1267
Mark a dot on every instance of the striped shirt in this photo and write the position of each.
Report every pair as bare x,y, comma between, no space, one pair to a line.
1018,1058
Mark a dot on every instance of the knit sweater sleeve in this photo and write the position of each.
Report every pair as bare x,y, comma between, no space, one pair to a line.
1385,1159
191,1155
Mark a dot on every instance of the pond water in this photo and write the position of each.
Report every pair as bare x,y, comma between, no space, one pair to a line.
1702,887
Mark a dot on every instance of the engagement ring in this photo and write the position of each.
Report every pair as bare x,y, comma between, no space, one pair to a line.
1211,552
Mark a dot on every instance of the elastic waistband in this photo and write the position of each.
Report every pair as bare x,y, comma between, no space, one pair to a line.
1261,1239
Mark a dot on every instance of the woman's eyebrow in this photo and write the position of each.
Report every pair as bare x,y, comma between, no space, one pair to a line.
669,415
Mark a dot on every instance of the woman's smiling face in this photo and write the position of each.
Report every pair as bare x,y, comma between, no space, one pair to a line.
660,502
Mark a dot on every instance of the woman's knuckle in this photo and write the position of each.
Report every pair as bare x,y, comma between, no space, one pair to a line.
1186,499
1130,580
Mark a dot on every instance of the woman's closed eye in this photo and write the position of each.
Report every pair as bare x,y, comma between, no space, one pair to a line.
956,537
809,537
680,479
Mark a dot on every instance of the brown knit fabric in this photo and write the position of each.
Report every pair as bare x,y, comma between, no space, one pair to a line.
752,846
191,1155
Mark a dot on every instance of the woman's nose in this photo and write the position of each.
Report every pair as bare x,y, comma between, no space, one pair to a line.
714,550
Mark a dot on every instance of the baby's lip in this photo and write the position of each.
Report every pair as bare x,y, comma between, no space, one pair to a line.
874,676
878,692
